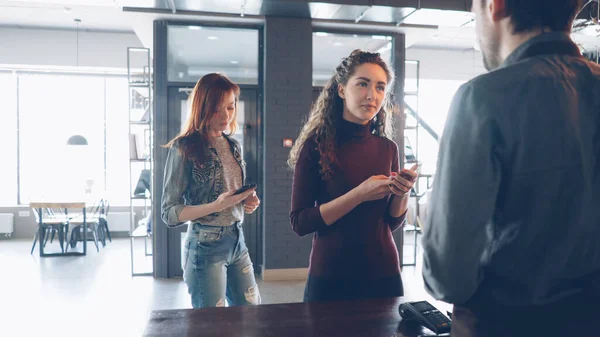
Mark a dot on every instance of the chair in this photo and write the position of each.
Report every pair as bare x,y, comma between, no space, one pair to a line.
51,224
103,218
92,221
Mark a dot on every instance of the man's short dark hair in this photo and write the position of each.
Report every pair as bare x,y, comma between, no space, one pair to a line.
556,15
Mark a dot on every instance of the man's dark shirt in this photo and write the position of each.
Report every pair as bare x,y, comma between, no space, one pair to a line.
515,207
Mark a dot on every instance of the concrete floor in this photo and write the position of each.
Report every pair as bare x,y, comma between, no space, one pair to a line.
96,296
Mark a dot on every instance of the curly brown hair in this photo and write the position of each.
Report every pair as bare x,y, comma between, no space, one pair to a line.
326,113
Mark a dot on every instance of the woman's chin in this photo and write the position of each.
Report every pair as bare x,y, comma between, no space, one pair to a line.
367,117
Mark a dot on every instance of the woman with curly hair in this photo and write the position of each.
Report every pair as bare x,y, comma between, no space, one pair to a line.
348,188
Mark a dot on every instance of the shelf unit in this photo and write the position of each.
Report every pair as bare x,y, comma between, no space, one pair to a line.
139,78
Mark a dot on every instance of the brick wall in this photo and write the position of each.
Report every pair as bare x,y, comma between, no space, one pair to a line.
287,99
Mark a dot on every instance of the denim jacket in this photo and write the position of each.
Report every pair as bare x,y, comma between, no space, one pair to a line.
189,184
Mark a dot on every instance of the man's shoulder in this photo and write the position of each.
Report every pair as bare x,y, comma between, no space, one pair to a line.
529,72
499,80
502,88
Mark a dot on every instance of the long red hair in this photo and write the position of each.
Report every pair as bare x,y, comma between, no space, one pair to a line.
206,100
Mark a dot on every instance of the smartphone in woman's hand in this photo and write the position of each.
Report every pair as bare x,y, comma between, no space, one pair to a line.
244,188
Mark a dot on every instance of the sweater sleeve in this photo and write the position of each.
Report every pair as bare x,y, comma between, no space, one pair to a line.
393,222
305,215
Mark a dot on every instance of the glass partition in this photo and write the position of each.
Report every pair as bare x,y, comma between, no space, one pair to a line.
8,137
329,49
194,51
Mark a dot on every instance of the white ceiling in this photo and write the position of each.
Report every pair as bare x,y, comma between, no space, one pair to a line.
455,29
96,15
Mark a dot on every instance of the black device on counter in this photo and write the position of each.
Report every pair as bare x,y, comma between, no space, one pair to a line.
244,188
427,315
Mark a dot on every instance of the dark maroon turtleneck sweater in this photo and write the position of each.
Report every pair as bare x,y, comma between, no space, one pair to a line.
360,244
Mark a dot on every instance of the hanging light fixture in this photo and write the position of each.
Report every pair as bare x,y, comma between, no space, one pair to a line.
77,139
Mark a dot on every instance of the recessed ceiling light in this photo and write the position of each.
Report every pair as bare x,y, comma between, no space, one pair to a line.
213,38
321,34
379,37
234,62
194,27
337,44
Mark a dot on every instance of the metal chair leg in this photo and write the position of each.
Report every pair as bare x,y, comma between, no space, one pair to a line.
101,233
35,238
105,223
95,235
60,238
47,231
66,236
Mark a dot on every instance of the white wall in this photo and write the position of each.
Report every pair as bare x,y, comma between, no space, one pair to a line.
446,64
58,48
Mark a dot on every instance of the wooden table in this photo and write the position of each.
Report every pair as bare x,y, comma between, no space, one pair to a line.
364,318
40,205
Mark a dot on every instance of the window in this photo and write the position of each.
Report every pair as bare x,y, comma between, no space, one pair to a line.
117,142
8,139
49,109
434,101
52,108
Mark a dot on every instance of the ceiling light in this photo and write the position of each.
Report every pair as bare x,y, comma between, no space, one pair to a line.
321,34
213,38
379,37
194,27
234,62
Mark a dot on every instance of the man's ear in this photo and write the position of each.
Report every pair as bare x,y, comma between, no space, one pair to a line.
497,9
340,89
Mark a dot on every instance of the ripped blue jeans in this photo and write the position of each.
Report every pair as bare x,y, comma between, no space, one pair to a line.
217,267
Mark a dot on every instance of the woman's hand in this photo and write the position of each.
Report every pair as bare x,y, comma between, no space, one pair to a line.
251,203
374,188
228,199
401,183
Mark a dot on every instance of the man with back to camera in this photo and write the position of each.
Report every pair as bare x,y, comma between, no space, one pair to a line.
512,236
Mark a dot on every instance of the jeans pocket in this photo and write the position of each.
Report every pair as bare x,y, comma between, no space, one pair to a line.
207,235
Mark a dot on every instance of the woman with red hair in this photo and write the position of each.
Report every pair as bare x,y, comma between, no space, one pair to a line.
203,170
